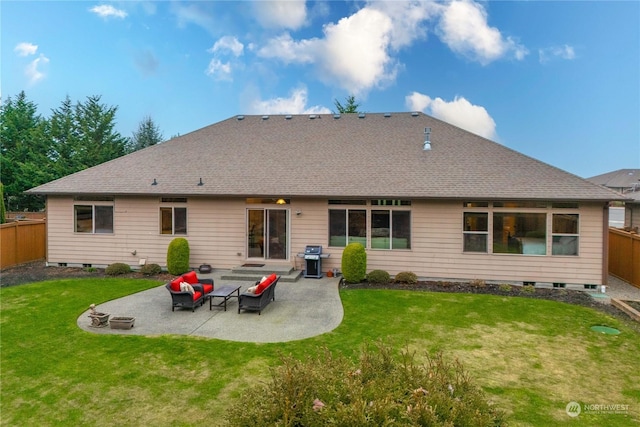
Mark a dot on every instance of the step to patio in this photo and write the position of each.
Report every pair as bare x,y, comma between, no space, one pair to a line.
253,274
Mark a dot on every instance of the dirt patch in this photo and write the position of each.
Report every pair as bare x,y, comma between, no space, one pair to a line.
37,271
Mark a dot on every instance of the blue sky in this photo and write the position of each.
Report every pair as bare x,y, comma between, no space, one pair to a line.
558,81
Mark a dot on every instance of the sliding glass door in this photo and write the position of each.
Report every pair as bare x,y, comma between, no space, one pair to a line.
267,233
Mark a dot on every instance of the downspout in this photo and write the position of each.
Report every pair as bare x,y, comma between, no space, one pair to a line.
605,244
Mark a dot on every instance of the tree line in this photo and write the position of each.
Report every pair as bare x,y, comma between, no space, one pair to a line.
35,150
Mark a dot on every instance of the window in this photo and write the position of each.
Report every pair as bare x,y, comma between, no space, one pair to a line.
96,219
347,226
476,231
521,227
519,233
173,220
390,229
565,234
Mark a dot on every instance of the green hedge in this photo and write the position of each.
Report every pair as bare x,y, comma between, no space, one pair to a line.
178,256
354,263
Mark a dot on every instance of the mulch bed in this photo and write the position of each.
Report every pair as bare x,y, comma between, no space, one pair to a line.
37,271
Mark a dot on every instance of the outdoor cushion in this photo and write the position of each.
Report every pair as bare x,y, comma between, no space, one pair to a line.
207,287
197,295
175,284
264,285
190,277
186,287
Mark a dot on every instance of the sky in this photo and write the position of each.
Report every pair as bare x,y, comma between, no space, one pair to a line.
557,81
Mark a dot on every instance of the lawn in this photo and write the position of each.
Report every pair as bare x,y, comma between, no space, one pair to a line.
531,357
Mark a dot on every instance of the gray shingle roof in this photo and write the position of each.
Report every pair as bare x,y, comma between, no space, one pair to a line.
288,156
622,178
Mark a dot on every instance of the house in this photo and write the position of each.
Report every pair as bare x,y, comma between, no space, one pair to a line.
626,182
420,194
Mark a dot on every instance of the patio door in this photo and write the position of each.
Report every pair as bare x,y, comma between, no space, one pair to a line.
267,233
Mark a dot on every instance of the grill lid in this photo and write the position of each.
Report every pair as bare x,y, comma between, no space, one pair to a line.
313,250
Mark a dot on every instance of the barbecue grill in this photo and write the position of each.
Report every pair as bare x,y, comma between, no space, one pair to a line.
313,261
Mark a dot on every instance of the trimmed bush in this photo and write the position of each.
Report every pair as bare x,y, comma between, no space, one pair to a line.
380,277
406,277
354,263
178,256
117,268
380,389
150,269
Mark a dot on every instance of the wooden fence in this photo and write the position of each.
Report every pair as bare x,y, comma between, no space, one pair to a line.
22,241
624,256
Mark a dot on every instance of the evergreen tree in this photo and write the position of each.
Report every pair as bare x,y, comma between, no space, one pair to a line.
147,134
98,141
25,149
351,106
65,136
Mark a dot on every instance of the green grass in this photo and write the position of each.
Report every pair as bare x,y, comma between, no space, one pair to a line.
531,357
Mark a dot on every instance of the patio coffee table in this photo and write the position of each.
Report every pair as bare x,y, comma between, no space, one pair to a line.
224,292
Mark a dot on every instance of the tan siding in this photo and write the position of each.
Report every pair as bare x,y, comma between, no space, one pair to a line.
217,234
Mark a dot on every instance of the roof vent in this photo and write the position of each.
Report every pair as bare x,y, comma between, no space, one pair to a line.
265,117
312,116
361,115
288,117
414,114
336,116
427,139
387,114
240,117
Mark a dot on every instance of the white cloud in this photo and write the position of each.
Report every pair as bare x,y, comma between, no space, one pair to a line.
560,52
286,49
26,49
463,27
108,11
290,14
33,70
228,44
294,104
194,13
353,53
408,19
458,112
219,70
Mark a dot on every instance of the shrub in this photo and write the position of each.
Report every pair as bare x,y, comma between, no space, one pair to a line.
378,276
178,256
150,269
379,389
354,263
117,268
406,277
478,283
528,289
505,287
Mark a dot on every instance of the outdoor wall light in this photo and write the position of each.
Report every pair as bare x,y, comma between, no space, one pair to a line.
281,202
298,213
